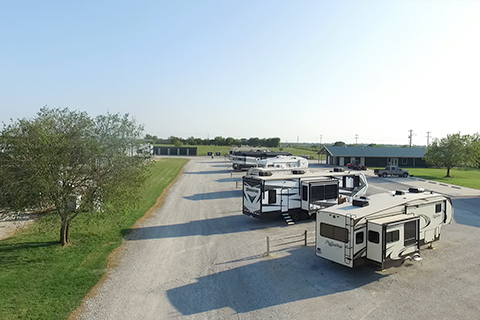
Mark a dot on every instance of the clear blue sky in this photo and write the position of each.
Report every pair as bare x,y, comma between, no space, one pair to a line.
249,68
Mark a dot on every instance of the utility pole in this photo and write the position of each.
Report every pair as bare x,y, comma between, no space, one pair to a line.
297,140
428,137
356,139
410,136
320,141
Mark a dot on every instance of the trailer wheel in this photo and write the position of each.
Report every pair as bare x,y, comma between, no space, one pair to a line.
384,175
304,215
405,174
295,216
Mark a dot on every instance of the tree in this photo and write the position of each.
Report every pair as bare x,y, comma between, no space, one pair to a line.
339,144
71,163
454,150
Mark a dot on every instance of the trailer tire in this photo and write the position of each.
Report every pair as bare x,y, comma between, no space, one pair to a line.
295,216
384,175
304,215
405,175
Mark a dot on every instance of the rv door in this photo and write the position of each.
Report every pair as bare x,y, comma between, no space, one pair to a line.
284,199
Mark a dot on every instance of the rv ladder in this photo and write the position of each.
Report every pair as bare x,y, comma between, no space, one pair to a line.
288,218
349,245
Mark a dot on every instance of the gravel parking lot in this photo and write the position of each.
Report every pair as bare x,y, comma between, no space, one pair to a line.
199,257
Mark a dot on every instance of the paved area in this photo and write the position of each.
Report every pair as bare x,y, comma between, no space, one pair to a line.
199,257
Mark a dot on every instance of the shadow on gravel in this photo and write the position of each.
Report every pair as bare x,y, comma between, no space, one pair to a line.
229,180
215,195
223,225
466,211
270,282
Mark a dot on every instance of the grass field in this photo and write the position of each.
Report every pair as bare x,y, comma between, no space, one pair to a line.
39,279
459,176
203,151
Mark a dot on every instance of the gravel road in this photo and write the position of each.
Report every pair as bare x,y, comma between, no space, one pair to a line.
199,257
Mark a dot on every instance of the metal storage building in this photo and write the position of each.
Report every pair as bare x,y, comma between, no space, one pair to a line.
174,151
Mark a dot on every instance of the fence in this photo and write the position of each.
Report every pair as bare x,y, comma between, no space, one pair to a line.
277,242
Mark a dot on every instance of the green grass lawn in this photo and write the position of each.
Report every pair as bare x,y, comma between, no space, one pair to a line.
203,150
459,176
39,279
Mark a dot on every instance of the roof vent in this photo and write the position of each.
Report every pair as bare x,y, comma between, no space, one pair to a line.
338,170
298,171
416,190
399,193
360,202
264,173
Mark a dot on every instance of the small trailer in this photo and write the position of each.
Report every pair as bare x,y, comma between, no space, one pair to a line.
385,229
296,194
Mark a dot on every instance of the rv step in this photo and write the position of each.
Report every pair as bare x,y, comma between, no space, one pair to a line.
288,218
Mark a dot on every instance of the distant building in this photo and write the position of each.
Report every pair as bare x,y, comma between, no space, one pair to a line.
174,151
375,156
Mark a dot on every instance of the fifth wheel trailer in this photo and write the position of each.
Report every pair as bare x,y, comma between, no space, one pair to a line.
385,229
296,194
248,159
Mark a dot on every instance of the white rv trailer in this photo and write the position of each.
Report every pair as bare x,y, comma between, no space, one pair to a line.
297,193
386,229
283,162
233,151
248,159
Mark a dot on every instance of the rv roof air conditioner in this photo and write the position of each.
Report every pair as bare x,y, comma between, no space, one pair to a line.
399,193
298,171
416,190
264,173
360,202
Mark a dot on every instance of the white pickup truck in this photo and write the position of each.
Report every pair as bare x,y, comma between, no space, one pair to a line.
391,171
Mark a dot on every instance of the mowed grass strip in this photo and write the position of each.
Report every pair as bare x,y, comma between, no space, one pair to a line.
39,279
465,177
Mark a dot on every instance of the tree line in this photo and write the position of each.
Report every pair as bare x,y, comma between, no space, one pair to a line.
455,150
217,141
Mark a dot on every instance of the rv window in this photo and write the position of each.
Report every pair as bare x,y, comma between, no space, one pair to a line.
304,193
272,196
410,233
438,208
323,192
393,236
373,236
359,237
333,232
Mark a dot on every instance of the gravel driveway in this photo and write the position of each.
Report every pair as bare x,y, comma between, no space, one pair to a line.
199,257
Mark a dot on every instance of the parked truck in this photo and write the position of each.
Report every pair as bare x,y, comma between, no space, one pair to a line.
391,171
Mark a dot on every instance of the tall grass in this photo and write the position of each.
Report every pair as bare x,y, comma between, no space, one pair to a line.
39,279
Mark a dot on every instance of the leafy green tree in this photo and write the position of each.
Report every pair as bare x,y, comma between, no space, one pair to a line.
339,144
71,163
454,150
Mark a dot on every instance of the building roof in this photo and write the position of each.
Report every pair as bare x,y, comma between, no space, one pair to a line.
380,152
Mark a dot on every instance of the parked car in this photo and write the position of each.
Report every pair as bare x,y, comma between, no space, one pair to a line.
391,171
356,165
